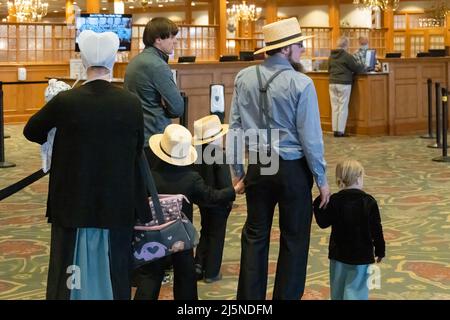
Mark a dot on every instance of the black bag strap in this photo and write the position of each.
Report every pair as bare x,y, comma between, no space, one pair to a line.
264,102
151,188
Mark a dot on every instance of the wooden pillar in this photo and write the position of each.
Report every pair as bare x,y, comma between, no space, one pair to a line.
211,12
93,6
271,11
388,23
222,19
70,14
188,11
447,31
334,21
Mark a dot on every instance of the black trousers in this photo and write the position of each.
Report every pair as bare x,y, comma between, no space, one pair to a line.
209,251
150,276
290,188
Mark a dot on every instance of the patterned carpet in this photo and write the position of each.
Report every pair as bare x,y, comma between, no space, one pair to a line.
412,192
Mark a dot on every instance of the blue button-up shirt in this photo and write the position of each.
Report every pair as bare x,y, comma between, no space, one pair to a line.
293,109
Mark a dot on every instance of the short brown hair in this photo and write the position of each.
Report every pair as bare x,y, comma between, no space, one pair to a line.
158,27
348,172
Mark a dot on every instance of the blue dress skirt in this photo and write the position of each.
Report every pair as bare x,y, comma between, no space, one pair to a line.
89,263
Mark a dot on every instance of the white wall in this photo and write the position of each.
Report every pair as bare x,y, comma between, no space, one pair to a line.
200,17
311,16
143,18
355,16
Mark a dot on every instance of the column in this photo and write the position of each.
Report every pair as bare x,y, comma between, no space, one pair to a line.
388,23
188,12
222,15
93,6
271,11
334,22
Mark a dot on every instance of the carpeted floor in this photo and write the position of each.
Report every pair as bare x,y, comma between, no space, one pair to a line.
412,192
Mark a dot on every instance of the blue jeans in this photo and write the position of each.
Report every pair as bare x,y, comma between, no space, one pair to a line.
348,282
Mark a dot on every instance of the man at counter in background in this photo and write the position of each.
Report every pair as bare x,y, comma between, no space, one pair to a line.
341,66
149,77
361,54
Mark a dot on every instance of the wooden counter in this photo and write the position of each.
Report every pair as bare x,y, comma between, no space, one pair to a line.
392,103
368,103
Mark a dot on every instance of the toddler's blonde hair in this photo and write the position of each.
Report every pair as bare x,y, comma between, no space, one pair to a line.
347,172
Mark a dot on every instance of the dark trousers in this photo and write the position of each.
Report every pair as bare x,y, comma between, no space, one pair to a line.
290,188
212,236
150,276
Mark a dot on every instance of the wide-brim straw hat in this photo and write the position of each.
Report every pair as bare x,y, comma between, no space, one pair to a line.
208,129
174,146
282,33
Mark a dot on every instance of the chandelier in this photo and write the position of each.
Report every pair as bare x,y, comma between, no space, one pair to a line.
27,10
244,12
382,4
439,10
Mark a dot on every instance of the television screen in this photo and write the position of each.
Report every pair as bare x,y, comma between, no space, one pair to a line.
117,23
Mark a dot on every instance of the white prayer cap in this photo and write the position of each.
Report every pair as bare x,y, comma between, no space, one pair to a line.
98,49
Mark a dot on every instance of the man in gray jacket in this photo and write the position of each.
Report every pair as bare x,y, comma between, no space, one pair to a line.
149,77
341,66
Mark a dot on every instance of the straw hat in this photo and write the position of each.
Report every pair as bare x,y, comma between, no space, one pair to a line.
208,129
98,49
282,33
174,146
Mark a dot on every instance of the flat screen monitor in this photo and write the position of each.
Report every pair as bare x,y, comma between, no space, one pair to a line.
371,59
393,55
246,56
117,23
437,52
227,58
183,59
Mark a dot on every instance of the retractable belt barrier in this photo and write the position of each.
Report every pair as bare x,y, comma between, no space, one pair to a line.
19,185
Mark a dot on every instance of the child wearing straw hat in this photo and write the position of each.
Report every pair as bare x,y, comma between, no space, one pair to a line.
208,136
175,175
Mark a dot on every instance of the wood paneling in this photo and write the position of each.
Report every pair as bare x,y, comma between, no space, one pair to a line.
20,101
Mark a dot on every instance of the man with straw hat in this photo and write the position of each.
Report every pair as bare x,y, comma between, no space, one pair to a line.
291,111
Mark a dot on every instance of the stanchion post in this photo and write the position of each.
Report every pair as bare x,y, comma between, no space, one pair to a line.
445,157
184,117
430,111
438,116
3,163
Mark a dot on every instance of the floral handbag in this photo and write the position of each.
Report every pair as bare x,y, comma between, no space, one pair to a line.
168,232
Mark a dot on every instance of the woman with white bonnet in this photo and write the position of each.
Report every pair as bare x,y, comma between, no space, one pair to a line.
95,193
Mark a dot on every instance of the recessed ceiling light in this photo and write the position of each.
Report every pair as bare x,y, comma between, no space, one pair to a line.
160,5
131,7
55,11
104,9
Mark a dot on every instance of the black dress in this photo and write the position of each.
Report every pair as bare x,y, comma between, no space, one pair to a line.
94,183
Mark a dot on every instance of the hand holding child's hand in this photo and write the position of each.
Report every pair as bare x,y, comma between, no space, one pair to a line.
239,186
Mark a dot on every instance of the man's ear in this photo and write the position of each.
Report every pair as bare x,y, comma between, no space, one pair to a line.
286,50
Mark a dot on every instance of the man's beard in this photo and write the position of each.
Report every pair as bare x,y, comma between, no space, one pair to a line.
296,65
